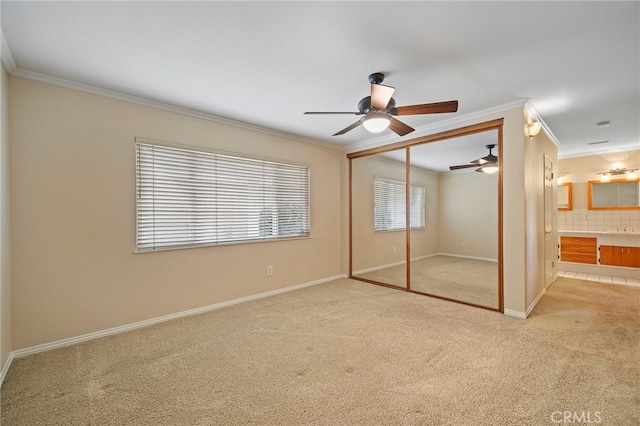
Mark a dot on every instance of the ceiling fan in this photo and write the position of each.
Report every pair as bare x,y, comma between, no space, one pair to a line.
487,164
379,108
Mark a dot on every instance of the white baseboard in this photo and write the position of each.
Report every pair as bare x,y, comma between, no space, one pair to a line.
376,268
389,265
5,368
116,330
535,302
516,314
426,256
413,259
524,315
486,259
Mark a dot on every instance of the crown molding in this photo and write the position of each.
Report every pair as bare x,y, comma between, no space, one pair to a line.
12,69
95,90
428,129
5,55
626,148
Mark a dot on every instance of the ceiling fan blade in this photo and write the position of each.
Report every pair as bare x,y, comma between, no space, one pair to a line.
336,112
381,95
462,166
434,108
484,160
399,127
479,161
348,128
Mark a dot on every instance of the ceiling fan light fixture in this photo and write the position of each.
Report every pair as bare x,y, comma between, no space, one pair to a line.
376,121
488,168
377,110
605,178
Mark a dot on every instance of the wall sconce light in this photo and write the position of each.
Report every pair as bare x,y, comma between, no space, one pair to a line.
533,128
560,179
606,176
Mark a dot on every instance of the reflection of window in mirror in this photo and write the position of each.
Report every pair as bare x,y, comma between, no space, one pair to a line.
565,196
614,195
389,201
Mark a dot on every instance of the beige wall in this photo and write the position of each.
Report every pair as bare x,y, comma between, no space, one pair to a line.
468,211
73,270
583,169
5,234
535,150
513,212
73,209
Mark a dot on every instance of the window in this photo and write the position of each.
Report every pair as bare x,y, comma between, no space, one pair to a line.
189,197
389,201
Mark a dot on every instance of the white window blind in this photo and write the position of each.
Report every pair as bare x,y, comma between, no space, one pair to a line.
417,206
188,198
389,201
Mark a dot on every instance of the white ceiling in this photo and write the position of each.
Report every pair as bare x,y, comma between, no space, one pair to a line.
265,63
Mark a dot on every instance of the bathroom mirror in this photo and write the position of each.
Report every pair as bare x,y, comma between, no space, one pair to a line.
614,195
565,196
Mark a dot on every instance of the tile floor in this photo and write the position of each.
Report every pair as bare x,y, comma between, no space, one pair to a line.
634,282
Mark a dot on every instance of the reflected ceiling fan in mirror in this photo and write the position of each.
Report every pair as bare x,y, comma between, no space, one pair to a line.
488,164
379,108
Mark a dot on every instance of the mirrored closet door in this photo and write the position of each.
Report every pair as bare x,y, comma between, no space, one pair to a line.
455,255
426,215
378,218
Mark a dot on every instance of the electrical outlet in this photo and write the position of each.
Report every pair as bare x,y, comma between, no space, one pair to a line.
463,244
269,271
394,249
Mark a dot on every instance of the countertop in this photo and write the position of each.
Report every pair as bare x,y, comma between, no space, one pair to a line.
603,233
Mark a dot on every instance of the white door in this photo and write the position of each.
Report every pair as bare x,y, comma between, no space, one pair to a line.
549,210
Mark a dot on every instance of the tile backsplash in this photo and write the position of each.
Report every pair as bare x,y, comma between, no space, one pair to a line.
599,220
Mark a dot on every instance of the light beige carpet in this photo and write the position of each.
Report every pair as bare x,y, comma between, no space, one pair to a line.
468,280
349,353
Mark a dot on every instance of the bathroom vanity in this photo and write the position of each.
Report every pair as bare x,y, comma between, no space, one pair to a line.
599,252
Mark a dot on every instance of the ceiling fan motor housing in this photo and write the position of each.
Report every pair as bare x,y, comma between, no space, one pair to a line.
364,106
376,78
